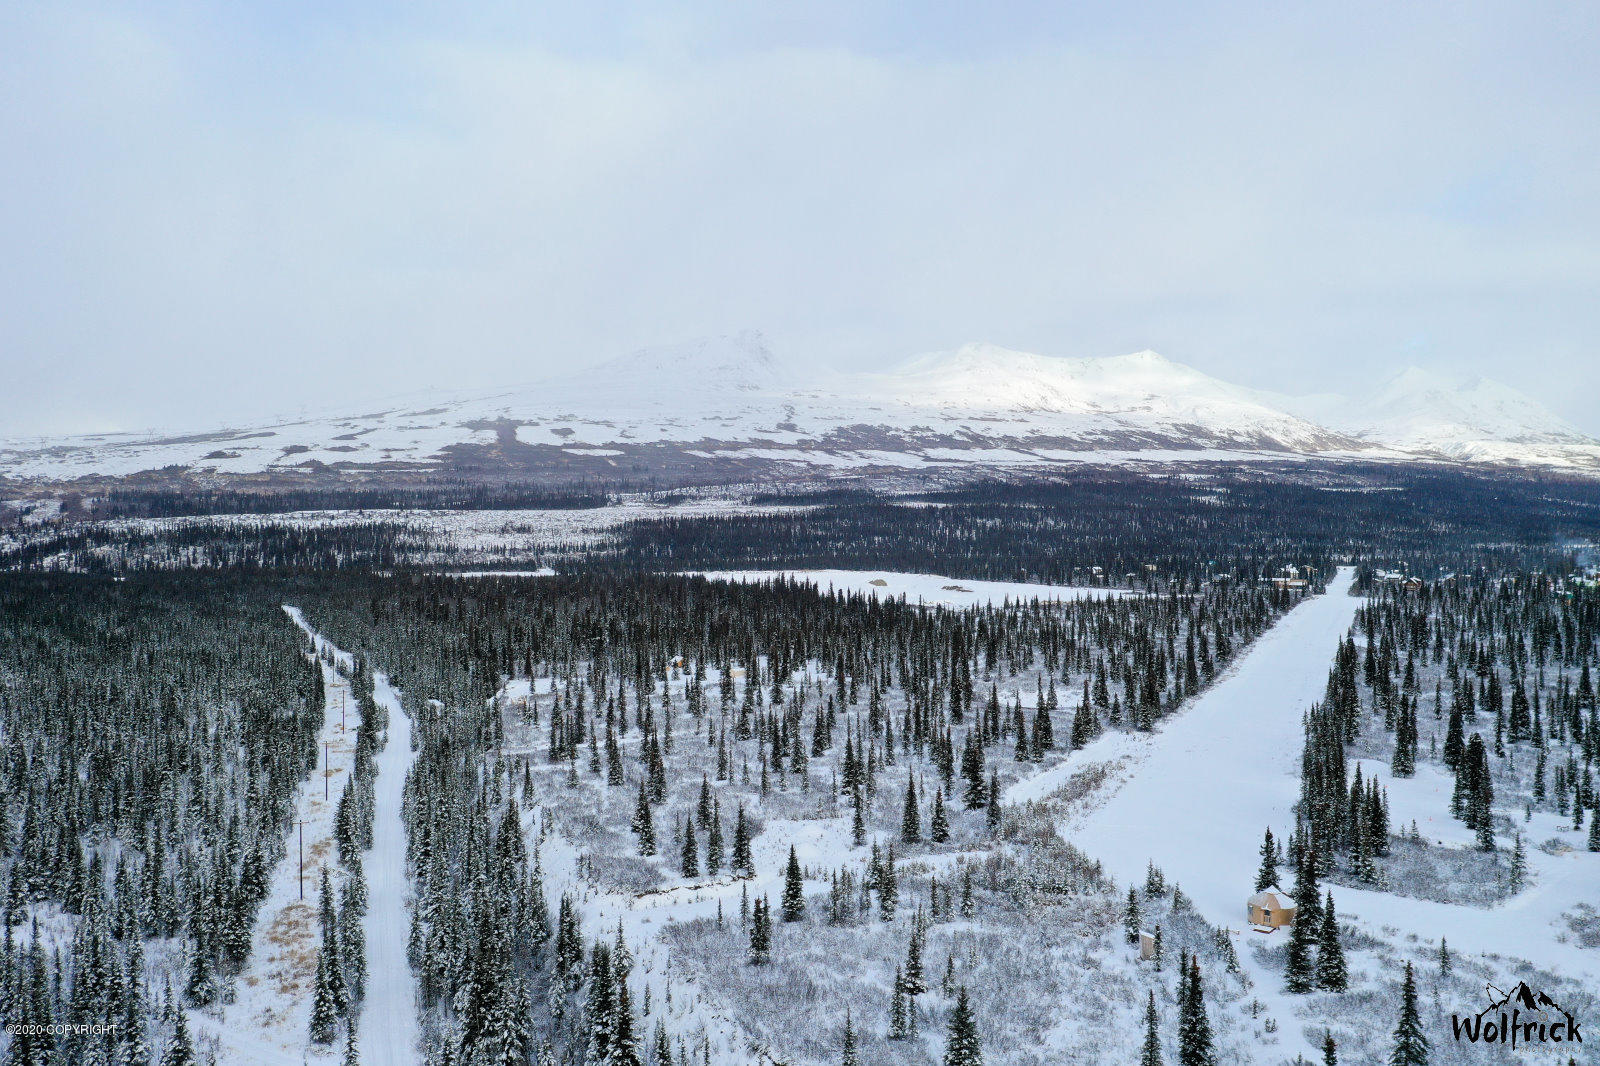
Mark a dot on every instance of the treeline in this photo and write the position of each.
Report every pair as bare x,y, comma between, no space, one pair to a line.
1240,523
1104,528
448,496
217,544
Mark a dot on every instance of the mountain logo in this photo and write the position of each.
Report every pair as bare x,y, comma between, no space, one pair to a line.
1518,1017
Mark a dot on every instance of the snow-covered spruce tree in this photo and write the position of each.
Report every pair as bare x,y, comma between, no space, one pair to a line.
714,856
760,933
1130,918
1307,888
962,1047
1267,875
1150,1052
900,1027
181,1051
1330,1050
1300,968
324,1011
1410,1042
689,856
911,817
915,976
794,890
888,886
939,823
743,864
643,822
848,1055
1332,975
1194,1028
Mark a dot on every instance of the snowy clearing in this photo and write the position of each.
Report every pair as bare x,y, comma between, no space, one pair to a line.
931,589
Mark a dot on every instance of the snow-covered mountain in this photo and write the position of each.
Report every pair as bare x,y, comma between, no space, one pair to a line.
726,405
1474,420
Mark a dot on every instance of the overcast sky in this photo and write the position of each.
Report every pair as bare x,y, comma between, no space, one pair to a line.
215,212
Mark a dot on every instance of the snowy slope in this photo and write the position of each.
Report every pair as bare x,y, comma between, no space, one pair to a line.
729,401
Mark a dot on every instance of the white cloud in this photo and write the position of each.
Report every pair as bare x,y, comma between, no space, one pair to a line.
218,218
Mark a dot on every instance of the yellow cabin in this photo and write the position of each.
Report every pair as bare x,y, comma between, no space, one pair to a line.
1271,908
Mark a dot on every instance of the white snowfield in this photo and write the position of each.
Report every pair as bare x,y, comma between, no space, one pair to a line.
269,1022
930,589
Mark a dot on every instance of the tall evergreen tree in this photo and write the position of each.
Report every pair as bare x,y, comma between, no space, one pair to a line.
1150,1054
1331,973
794,890
324,1013
1300,970
911,818
1267,875
1194,1028
1410,1042
760,933
962,1046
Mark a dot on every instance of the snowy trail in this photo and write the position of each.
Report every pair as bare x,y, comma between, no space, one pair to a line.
267,1024
388,1029
1217,773
1203,787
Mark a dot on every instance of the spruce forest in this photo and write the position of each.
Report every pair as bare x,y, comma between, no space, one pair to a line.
593,781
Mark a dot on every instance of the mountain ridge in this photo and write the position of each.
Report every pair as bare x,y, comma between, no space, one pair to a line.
729,402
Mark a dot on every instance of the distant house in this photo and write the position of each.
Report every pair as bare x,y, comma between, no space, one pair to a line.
1147,946
1271,908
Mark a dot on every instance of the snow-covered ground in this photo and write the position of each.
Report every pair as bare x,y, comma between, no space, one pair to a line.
931,589
1526,926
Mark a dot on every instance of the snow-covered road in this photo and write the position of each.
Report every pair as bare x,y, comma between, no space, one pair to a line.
1217,773
268,1023
388,1029
1198,793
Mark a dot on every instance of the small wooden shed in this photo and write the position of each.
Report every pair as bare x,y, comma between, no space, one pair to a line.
1271,908
1147,946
